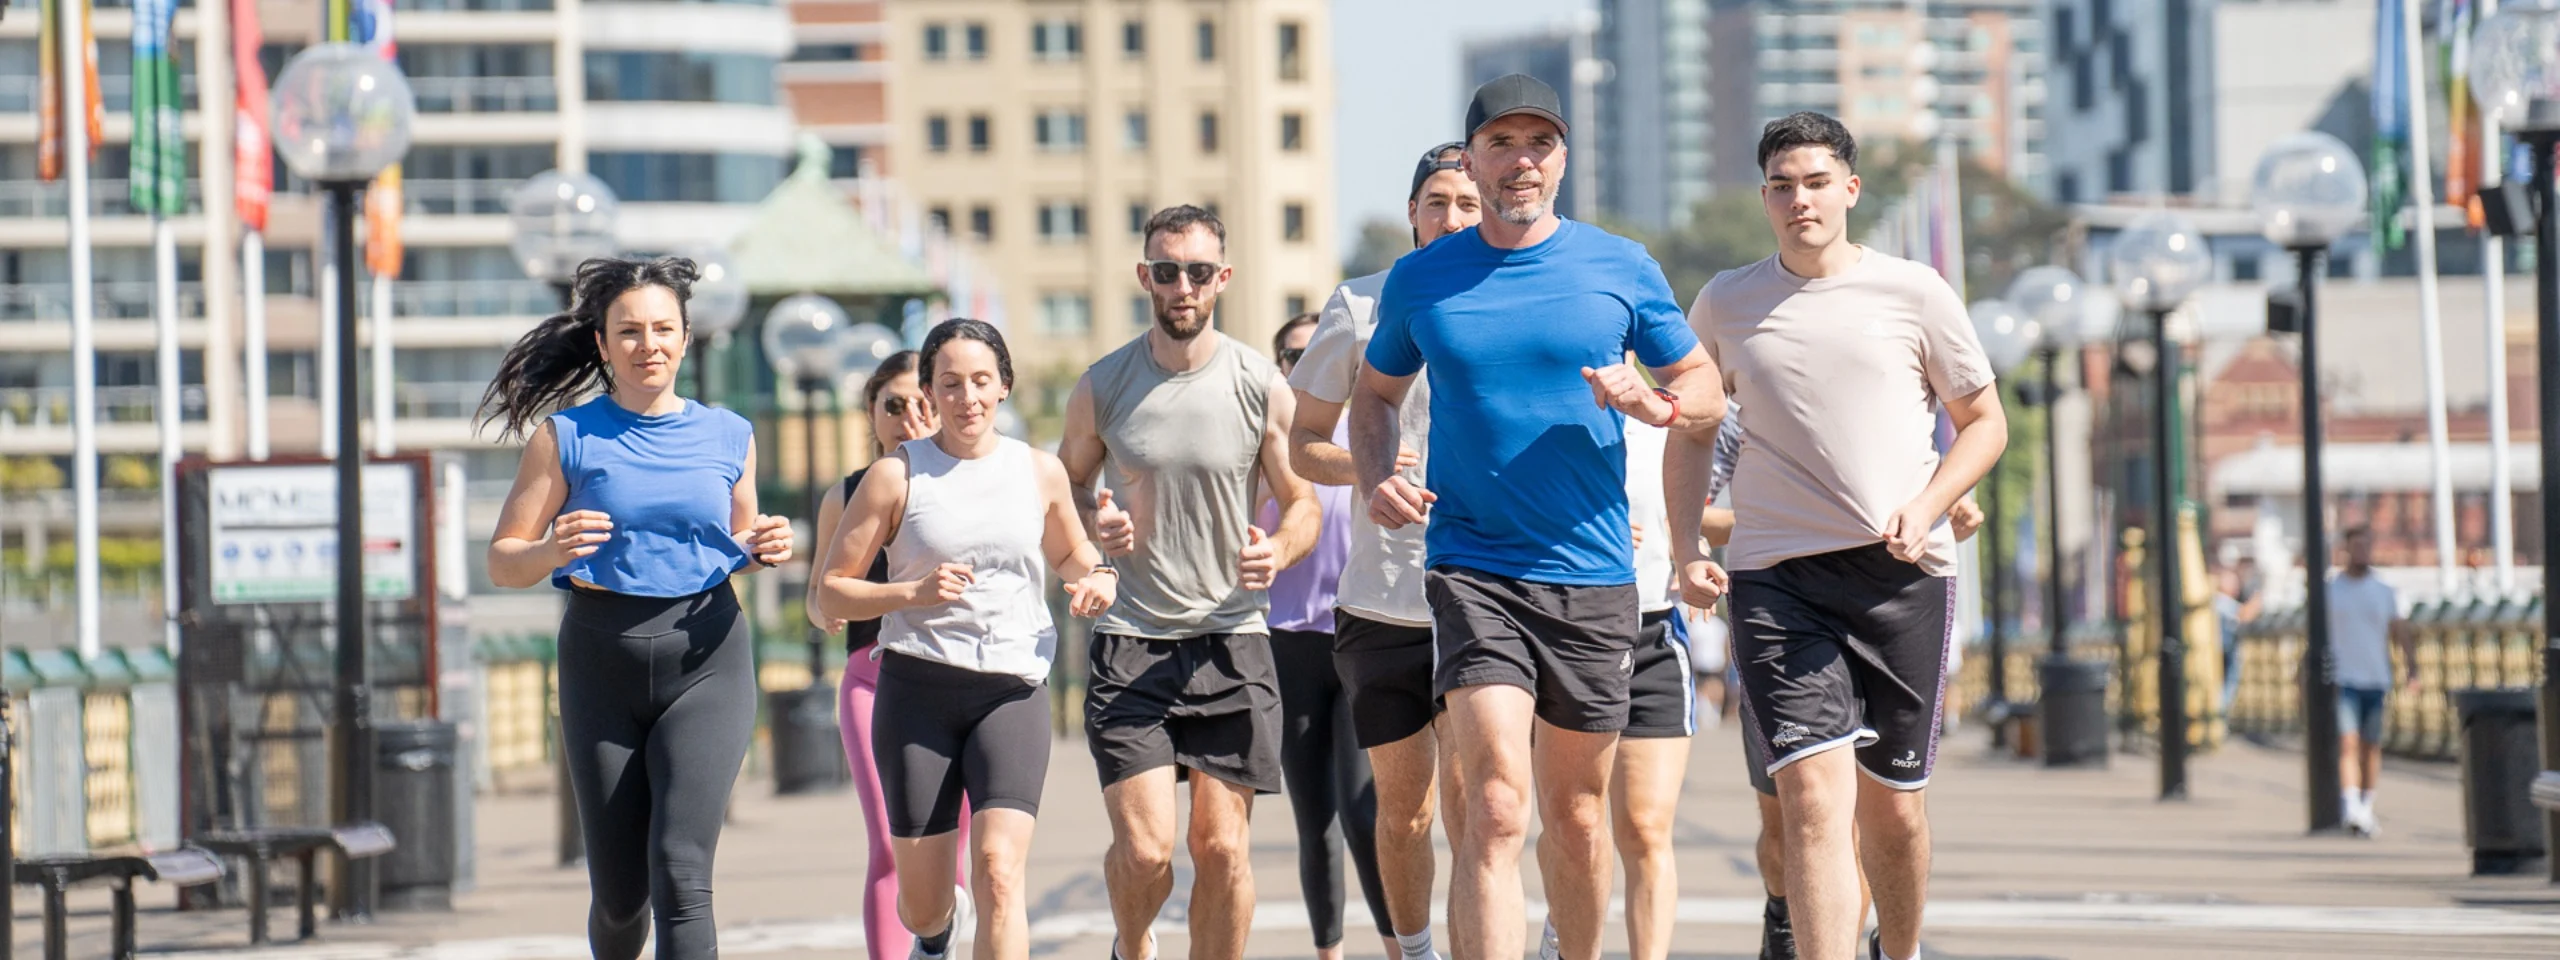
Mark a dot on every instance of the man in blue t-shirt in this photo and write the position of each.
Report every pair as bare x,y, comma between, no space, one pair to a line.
1523,324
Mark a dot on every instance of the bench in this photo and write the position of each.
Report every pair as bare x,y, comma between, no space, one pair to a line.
264,845
182,867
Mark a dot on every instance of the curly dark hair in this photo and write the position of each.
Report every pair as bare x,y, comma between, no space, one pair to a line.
1808,129
558,361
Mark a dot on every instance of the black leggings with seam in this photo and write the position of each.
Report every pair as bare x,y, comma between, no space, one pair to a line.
657,706
1331,793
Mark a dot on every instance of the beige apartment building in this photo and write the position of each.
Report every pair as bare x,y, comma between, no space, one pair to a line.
1044,132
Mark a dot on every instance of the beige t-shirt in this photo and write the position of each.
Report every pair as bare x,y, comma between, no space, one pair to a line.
1383,579
1843,376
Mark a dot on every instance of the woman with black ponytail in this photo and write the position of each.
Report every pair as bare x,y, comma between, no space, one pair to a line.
640,504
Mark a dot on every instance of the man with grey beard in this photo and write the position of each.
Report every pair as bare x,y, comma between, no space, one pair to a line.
1524,324
1187,419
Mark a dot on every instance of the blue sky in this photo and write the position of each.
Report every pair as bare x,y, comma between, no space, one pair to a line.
1397,86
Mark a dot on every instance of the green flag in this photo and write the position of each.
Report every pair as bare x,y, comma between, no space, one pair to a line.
158,173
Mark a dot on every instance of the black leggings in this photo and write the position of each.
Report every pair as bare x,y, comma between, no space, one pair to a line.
1330,789
657,704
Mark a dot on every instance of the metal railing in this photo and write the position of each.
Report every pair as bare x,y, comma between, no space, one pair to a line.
433,400
107,198
51,406
486,94
109,300
2461,645
18,94
474,298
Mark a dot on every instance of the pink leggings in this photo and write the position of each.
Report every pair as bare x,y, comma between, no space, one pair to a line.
881,927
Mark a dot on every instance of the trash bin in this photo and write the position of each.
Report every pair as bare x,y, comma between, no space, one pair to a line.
2500,756
2073,710
808,752
414,796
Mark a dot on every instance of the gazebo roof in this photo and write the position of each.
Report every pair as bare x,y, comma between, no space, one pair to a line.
807,237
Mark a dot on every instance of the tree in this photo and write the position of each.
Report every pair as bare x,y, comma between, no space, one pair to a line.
1381,242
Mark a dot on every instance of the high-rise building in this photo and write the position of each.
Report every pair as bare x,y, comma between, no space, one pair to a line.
837,82
675,106
1547,55
1654,114
1970,70
2132,107
1044,134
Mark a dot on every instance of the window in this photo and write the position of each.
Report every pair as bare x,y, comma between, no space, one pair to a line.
980,140
1208,131
1059,39
1138,218
937,42
844,160
1293,227
1062,221
1293,132
1142,312
982,224
940,217
642,177
1133,131
977,41
1294,306
1292,58
1208,41
831,53
1066,314
937,133
1133,39
666,76
1058,131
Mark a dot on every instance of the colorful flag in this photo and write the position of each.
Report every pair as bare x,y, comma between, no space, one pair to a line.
2454,20
2390,127
157,174
49,138
370,25
253,175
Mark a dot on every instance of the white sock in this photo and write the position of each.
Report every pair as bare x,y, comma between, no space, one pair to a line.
2364,801
1416,946
2347,801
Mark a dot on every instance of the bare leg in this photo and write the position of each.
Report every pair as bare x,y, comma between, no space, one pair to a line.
1405,858
1221,858
1771,850
1138,870
1573,785
2350,767
1644,799
1002,852
925,879
1893,836
1819,795
1489,734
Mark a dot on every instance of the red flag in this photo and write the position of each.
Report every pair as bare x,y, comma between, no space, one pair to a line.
49,67
371,25
253,174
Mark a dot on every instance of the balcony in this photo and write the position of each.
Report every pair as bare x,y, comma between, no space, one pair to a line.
474,298
47,407
18,94
457,198
485,94
32,199
111,300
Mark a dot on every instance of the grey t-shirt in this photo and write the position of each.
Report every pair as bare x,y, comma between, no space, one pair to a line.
1383,579
2361,610
1181,450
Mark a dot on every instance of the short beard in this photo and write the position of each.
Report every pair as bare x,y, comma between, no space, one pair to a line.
1528,214
1180,330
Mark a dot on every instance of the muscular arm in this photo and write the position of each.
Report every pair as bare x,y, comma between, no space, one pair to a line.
1374,431
1716,524
843,592
1080,451
1312,451
1062,534
1689,461
1301,518
830,513
521,553
1982,431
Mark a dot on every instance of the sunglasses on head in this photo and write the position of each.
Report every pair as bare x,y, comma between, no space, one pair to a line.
1166,271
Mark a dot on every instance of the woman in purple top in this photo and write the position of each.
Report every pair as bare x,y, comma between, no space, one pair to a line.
1330,791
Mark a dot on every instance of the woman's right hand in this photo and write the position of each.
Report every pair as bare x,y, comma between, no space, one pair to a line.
577,534
945,584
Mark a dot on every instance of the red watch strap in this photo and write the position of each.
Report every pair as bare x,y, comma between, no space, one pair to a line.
1675,407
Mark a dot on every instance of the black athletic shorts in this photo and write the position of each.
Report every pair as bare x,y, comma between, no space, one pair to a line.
939,732
1571,647
1662,699
1386,671
1847,648
1209,703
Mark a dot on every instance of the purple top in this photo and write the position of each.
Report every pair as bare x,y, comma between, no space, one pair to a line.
1302,596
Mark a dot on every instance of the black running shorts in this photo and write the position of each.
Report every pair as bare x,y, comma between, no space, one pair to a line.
1572,647
1662,699
1847,648
1386,671
1209,704
940,732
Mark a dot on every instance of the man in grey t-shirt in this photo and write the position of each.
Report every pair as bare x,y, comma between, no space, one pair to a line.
2364,619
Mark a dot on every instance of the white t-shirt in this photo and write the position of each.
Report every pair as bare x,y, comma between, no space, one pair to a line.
1383,580
2361,610
1649,509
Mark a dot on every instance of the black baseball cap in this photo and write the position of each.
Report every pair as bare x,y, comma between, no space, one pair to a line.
1514,93
1431,164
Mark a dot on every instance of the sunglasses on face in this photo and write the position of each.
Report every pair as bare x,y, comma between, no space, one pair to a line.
1165,271
1289,355
896,406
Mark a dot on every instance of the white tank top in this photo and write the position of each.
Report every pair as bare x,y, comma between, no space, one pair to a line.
988,513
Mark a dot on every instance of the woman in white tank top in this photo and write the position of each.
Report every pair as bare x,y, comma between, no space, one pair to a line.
972,521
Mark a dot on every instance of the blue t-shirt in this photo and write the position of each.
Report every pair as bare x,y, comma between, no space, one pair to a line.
666,481
1531,474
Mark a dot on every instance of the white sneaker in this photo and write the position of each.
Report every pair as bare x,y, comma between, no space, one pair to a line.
1550,948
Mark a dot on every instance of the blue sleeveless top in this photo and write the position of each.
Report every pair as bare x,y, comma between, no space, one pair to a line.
666,481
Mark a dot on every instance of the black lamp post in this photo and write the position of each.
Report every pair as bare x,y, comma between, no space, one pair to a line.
2158,261
342,114
2071,695
2006,338
2308,191
805,338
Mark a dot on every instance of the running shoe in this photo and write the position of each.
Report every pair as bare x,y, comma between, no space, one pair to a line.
964,922
1777,932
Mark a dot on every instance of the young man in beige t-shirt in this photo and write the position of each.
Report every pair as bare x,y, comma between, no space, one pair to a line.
1843,567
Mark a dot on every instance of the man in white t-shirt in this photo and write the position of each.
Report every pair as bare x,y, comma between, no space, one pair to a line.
2364,620
1382,627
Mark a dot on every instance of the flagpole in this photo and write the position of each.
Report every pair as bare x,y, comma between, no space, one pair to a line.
84,346
2493,300
383,444
2430,321
329,269
150,171
253,336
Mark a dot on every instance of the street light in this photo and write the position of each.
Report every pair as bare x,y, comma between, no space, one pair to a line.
804,338
562,219
342,114
719,303
2516,77
2006,338
2308,191
2071,696
2158,261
